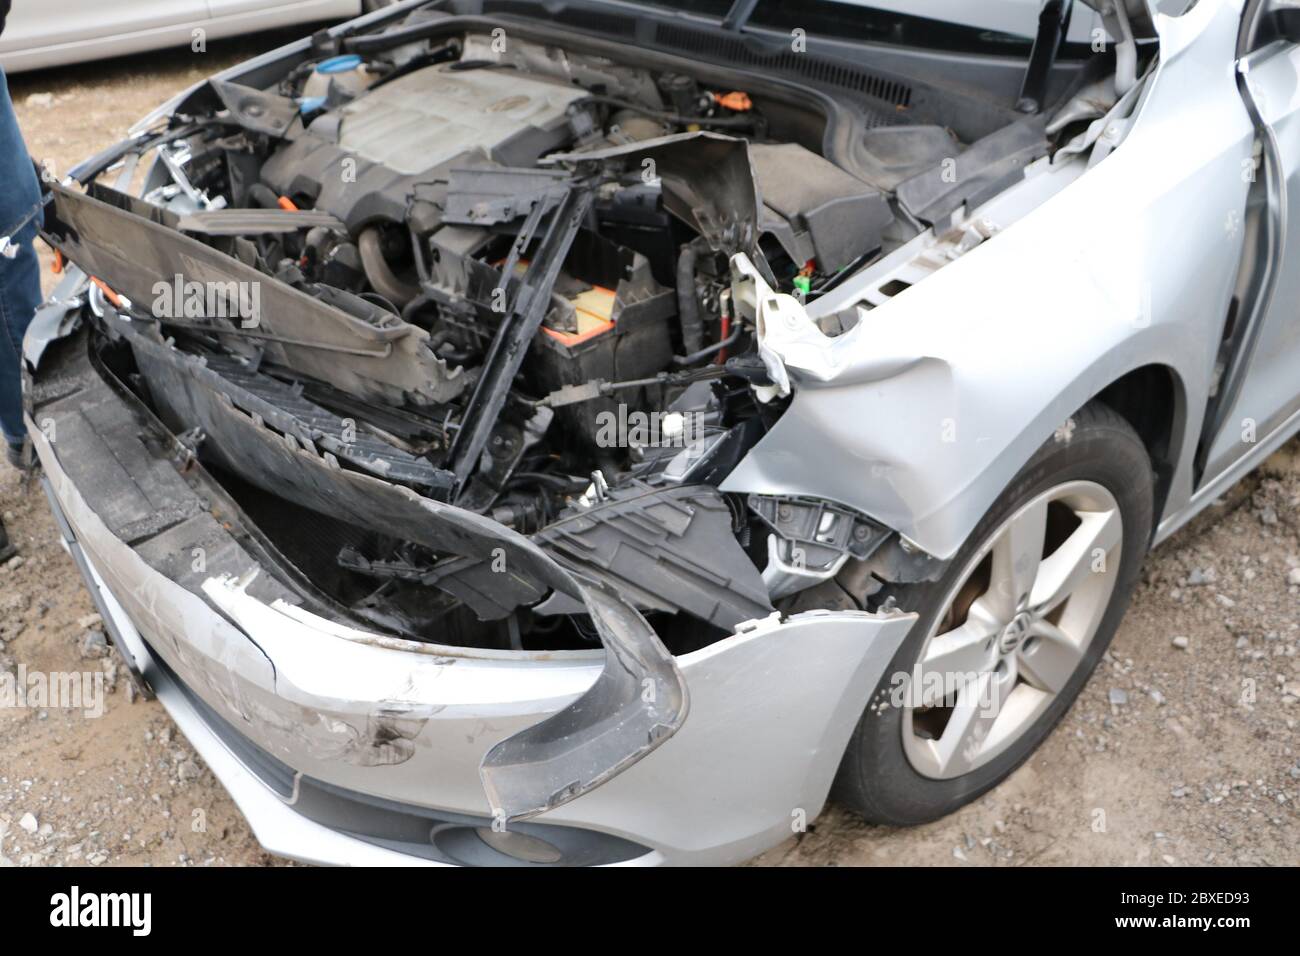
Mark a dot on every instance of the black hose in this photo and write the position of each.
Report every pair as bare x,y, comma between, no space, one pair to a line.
688,303
559,483
456,357
414,306
263,196
715,348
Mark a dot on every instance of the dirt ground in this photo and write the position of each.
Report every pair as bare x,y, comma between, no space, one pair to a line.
1171,756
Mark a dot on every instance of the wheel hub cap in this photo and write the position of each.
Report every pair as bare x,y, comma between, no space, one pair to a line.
1015,632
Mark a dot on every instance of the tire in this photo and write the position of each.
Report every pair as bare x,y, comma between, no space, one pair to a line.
890,772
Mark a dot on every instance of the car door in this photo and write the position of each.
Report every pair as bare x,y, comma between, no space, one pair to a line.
1258,388
37,23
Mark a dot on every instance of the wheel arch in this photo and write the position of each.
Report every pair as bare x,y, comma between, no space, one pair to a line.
1153,399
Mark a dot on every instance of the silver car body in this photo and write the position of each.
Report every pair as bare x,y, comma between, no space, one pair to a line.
1089,277
1118,255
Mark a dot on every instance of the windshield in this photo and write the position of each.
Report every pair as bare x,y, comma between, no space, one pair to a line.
854,21
975,26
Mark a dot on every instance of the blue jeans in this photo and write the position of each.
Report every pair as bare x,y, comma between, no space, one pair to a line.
20,277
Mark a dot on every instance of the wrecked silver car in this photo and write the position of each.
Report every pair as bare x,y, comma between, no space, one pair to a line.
583,433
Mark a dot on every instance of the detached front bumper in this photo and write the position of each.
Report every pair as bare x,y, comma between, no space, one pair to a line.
343,746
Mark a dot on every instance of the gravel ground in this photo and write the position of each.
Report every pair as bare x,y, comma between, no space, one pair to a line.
1181,750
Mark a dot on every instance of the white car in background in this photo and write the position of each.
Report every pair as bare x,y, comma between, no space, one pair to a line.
38,36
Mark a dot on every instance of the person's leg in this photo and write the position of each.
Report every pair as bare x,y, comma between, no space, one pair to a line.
20,277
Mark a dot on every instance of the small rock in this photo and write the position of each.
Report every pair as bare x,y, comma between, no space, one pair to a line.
1178,792
1118,696
1293,576
90,622
94,645
14,601
1158,697
1181,642
957,852
45,100
188,770
28,823
1199,578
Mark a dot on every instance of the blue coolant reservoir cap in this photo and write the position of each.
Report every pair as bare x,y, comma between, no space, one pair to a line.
339,64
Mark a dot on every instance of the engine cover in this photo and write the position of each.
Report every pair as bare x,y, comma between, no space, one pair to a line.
363,160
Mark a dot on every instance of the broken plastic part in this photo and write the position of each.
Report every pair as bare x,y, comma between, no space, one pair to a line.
638,701
787,337
669,549
708,182
108,232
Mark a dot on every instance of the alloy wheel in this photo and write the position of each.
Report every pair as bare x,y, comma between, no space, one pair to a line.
1014,629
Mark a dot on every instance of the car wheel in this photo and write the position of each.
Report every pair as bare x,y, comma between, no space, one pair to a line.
1010,633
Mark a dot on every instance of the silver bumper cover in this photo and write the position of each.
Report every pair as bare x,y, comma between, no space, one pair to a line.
772,708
